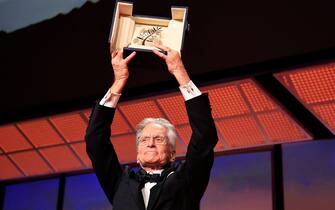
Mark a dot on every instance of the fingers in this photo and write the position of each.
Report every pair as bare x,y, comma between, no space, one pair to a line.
130,57
159,54
119,54
162,47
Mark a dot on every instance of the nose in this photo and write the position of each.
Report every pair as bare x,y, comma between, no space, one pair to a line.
151,142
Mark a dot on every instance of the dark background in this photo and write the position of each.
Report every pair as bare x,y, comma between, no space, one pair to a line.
63,63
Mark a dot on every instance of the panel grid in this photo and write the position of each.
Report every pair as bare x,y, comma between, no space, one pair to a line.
71,126
8,170
12,140
125,147
185,133
80,150
240,131
327,113
137,111
25,159
61,158
279,127
258,100
174,107
120,125
314,84
40,132
180,148
314,87
227,101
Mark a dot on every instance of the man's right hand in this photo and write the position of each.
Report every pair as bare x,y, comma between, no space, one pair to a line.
120,68
120,65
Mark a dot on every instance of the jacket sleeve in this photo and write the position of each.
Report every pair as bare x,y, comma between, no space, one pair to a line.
200,151
100,150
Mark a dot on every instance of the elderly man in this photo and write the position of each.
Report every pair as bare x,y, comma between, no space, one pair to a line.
161,184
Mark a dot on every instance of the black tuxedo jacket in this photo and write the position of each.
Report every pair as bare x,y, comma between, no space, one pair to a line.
181,190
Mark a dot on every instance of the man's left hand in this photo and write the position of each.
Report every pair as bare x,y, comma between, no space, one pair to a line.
174,63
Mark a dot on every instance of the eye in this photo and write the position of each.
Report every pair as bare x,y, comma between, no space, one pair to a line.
160,139
144,140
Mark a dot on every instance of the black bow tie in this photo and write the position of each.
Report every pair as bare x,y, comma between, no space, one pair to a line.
143,177
151,178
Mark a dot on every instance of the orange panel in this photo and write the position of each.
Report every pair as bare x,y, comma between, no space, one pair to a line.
185,134
31,163
8,170
279,127
257,98
326,113
125,148
61,158
119,125
227,101
11,139
87,113
241,131
180,148
284,79
80,149
174,107
40,132
137,111
71,126
313,84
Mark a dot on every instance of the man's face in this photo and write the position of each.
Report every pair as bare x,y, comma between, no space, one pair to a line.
154,151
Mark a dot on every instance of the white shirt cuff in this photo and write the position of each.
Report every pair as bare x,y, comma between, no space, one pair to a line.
110,99
189,91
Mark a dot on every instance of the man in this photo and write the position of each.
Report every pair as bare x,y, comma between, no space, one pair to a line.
161,184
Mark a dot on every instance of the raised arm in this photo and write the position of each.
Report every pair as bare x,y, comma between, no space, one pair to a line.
200,151
98,146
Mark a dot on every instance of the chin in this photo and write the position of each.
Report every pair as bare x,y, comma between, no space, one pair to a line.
152,161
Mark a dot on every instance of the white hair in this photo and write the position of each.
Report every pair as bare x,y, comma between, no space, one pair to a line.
171,130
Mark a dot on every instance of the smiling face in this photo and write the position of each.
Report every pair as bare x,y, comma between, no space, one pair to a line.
155,151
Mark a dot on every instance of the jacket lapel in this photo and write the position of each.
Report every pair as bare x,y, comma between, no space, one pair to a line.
154,195
156,190
134,188
136,193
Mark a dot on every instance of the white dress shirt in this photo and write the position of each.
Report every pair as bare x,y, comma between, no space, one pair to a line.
188,91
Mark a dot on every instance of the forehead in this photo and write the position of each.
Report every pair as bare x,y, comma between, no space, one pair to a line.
154,129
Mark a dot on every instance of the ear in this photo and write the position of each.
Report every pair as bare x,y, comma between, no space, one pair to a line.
137,159
172,156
